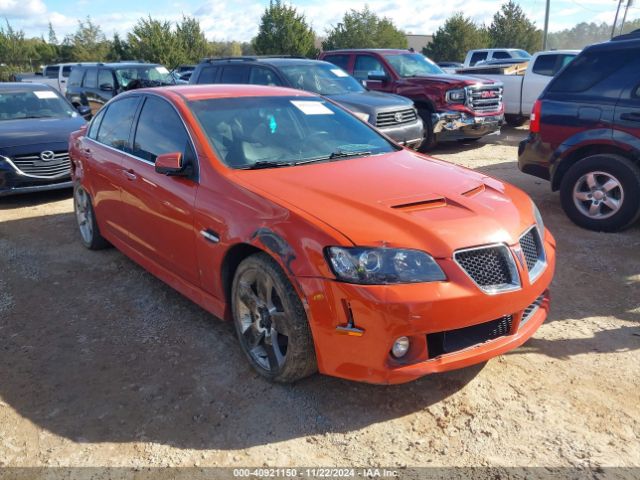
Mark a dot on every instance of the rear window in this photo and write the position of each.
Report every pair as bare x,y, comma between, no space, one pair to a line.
75,79
341,61
234,74
91,78
207,75
66,70
51,71
501,54
590,68
477,57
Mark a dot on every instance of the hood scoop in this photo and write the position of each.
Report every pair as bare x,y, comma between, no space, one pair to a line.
421,205
474,191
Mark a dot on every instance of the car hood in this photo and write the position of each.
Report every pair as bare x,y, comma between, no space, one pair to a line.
400,199
371,101
29,131
448,80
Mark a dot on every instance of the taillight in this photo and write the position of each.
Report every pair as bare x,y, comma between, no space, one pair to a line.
534,121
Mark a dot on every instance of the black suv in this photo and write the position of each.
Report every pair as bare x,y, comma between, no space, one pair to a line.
95,85
585,135
393,115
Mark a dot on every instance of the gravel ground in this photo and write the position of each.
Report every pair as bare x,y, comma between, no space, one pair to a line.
103,365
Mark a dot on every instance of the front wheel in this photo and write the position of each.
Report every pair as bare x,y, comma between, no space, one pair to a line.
602,192
86,219
271,322
429,141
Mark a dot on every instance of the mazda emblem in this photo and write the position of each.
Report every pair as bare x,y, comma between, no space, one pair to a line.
47,155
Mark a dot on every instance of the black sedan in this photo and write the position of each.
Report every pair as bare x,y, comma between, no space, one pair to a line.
35,123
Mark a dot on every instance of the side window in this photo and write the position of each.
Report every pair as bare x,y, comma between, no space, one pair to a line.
234,74
116,125
51,71
66,71
75,79
636,92
208,75
364,65
91,78
477,57
341,61
501,54
545,65
159,131
263,76
95,124
105,77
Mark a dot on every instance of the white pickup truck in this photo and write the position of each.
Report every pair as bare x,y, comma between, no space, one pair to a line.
523,89
55,75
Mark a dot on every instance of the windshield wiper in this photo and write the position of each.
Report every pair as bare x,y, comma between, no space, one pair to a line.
267,164
333,156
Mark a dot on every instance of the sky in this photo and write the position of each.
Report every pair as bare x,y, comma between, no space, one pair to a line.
239,19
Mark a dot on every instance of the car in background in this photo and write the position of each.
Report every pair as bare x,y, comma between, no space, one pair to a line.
55,76
474,57
329,246
585,136
452,107
95,85
450,67
522,89
35,123
393,115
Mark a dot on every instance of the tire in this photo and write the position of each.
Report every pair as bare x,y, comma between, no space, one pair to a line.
271,322
86,219
602,193
515,120
430,140
469,140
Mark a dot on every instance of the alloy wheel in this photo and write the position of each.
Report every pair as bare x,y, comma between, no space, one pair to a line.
598,195
84,215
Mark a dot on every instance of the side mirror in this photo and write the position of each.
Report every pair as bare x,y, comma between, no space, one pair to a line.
377,76
106,87
170,164
84,110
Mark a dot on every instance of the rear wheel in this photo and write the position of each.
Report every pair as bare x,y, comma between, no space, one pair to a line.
430,140
271,322
602,192
86,218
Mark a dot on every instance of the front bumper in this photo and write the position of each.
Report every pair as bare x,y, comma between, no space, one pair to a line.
422,311
12,182
409,134
454,125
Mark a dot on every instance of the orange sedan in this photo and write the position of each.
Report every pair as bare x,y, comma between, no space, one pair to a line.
331,248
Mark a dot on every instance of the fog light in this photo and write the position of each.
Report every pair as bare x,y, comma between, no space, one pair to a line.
400,347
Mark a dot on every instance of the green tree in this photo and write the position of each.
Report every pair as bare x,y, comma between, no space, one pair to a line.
191,39
53,39
364,29
455,38
154,41
14,50
284,31
119,49
88,43
512,29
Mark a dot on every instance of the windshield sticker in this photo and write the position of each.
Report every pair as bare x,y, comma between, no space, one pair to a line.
162,70
43,94
273,125
311,108
339,73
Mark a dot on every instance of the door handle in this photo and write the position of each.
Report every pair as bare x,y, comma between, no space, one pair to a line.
210,235
130,174
631,116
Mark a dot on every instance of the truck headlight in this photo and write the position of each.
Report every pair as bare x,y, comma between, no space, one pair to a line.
382,266
362,116
455,96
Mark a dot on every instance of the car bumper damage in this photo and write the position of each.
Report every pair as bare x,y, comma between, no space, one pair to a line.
457,125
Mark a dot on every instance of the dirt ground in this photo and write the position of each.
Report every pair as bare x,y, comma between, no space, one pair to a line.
101,364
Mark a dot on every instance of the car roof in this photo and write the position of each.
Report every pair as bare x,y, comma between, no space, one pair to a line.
24,86
207,91
268,60
382,51
121,64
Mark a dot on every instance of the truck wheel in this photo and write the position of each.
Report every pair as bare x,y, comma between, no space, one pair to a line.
430,140
86,218
271,322
602,192
515,120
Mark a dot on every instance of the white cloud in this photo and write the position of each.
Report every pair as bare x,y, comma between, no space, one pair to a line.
21,9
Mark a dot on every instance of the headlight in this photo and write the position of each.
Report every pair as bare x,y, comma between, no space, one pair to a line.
538,217
455,96
380,266
362,116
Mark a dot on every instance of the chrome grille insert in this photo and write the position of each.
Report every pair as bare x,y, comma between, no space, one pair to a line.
484,98
491,267
34,166
531,310
396,117
533,250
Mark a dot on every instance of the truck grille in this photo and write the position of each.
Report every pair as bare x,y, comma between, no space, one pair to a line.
397,117
484,99
34,166
533,251
492,268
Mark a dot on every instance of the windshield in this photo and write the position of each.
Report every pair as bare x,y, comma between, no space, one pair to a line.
413,65
520,54
16,104
152,73
321,78
256,132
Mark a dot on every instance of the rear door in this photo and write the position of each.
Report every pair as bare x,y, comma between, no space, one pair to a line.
90,89
159,208
627,116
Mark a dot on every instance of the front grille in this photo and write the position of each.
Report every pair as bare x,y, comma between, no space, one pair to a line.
484,99
35,166
397,117
492,268
451,341
533,251
531,309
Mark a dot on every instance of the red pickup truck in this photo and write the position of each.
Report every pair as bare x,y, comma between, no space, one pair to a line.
452,107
